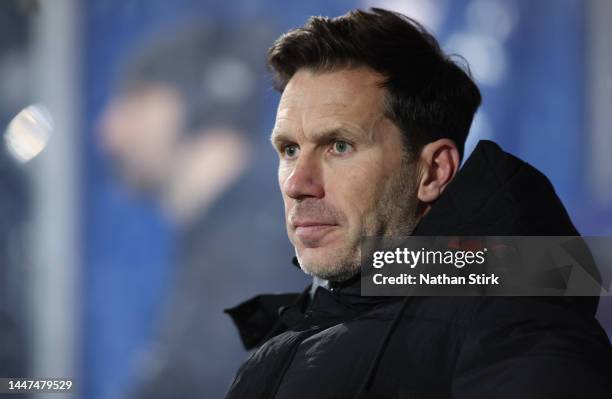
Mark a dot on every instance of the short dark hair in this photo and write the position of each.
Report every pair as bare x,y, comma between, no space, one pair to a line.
428,95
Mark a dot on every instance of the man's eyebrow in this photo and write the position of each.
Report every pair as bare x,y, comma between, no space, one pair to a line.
327,134
279,137
336,132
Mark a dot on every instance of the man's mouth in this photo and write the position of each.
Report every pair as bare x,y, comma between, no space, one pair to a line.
311,232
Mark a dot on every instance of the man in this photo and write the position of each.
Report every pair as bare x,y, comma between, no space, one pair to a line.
370,132
181,128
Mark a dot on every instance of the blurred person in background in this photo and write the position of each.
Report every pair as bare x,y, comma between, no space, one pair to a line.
183,127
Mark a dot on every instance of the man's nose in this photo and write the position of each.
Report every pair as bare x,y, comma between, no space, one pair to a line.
305,179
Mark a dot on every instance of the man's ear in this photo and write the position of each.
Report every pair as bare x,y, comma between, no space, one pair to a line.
438,163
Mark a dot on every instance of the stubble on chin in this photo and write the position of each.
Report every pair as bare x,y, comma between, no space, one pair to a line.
335,265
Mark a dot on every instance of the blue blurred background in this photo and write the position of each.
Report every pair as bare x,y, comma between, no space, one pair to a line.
107,263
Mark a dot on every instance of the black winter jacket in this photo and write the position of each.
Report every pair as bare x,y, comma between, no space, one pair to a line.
343,345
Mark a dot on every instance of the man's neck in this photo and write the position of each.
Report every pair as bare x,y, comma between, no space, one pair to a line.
316,283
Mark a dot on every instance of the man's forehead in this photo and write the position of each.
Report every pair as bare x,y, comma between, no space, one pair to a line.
338,87
353,95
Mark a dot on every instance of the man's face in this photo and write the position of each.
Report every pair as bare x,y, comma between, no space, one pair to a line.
139,132
343,170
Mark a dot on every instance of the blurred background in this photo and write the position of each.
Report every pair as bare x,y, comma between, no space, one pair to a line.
137,183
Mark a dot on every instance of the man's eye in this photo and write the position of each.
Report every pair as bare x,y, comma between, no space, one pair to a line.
290,150
341,147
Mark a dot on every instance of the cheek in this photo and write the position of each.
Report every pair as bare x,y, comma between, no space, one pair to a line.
354,188
283,174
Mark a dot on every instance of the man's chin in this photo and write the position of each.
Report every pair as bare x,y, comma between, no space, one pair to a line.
327,264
